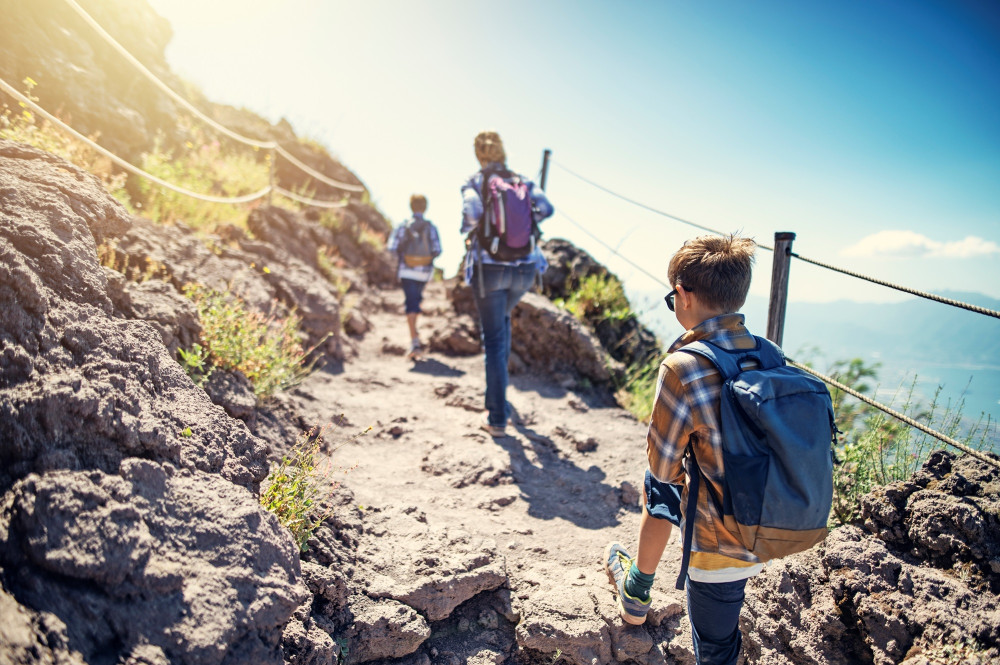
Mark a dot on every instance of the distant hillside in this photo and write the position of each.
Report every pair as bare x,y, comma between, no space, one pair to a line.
938,343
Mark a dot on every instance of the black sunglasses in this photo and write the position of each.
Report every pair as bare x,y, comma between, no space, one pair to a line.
669,298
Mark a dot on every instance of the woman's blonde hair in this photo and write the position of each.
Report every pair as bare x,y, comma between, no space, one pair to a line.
489,148
715,268
418,203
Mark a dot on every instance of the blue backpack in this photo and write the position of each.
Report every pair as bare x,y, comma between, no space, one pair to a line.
777,432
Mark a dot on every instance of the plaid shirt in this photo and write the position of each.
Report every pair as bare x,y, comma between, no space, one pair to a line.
686,413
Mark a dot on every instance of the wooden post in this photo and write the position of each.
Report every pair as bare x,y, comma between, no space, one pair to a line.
545,167
779,285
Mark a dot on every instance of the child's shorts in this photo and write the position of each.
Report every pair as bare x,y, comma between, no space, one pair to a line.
413,291
663,500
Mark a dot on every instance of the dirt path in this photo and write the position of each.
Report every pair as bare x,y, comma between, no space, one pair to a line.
552,494
554,483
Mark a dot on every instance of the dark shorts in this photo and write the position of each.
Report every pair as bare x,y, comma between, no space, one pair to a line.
413,291
663,500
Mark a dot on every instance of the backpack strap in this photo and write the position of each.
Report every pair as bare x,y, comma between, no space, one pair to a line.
689,514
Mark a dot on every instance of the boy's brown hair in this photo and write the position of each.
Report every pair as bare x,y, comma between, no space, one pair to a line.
418,203
715,268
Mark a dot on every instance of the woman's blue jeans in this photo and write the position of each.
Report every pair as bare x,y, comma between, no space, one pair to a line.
503,285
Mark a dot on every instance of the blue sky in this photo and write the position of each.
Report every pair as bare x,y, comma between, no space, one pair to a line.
867,128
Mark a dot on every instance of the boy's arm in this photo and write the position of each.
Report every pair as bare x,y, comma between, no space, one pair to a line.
394,239
670,428
435,242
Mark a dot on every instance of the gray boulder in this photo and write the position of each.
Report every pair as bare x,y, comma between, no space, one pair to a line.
129,527
920,575
181,560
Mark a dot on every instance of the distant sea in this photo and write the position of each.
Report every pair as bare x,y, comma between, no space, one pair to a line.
883,334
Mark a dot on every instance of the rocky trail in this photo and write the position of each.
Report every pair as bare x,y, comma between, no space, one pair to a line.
539,505
130,526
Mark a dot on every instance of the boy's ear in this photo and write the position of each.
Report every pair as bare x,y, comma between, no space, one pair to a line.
684,298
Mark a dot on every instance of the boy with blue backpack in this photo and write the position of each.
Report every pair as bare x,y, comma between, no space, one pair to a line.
416,244
739,450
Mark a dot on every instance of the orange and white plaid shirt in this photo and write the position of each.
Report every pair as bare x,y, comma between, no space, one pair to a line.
686,413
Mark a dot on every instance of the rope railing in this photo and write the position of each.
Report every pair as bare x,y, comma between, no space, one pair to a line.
316,174
646,207
612,249
922,294
23,99
267,145
897,415
308,201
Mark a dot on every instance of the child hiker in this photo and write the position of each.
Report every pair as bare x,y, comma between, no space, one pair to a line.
710,278
416,244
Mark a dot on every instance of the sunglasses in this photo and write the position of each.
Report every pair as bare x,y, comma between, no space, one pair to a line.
669,298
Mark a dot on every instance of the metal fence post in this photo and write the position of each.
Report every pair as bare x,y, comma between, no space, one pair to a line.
545,167
779,285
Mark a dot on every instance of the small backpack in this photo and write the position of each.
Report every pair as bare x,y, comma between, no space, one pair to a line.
507,231
415,246
777,431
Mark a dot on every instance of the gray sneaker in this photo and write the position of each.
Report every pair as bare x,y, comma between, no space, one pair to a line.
617,563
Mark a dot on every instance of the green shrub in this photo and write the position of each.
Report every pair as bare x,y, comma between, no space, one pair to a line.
204,166
598,297
876,449
297,484
265,348
638,392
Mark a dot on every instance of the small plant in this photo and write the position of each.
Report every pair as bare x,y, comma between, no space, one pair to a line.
638,392
264,347
206,166
195,362
136,270
299,481
371,238
344,648
294,486
876,449
599,297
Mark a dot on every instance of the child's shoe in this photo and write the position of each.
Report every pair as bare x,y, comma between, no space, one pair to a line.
617,563
492,430
415,349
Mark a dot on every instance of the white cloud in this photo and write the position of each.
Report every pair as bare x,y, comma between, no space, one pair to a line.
909,244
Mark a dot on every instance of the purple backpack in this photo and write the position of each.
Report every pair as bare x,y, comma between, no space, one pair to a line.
507,231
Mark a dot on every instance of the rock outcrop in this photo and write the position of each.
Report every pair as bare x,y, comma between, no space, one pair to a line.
544,339
129,527
917,583
625,339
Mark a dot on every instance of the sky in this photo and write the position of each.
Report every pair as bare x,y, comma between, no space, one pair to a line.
867,128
